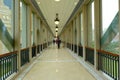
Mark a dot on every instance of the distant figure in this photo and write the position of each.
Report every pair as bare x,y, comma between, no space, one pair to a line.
53,41
58,42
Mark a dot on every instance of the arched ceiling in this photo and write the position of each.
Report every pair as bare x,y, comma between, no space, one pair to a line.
64,9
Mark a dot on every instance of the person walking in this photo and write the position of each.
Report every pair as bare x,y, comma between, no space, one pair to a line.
58,42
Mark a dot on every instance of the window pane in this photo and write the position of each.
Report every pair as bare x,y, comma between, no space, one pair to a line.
6,14
32,29
23,24
75,31
110,28
6,26
81,26
91,24
108,13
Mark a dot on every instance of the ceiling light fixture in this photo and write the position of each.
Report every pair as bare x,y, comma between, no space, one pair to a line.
38,2
56,27
57,20
57,0
75,3
56,31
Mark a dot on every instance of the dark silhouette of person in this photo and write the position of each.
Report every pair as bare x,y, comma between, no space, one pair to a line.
53,41
58,42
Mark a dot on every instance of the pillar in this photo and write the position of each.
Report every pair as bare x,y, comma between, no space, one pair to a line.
29,44
97,32
84,30
17,31
78,32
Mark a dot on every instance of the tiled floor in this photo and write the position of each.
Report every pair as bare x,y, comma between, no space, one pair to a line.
57,64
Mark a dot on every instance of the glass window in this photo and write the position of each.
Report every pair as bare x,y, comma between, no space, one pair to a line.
110,30
108,13
75,31
23,24
6,14
90,24
32,28
81,27
6,26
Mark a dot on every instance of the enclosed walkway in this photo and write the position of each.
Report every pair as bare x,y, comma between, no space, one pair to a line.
56,64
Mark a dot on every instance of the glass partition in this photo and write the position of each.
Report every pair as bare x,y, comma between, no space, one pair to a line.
110,28
6,26
81,28
23,24
32,28
90,9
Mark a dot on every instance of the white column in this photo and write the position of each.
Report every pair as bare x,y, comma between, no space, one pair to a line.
73,34
17,31
29,44
97,32
78,32
35,32
84,31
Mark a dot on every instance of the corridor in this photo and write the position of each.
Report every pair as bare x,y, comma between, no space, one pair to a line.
56,64
88,30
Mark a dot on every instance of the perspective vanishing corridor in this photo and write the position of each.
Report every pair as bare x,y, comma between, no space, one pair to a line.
87,32
56,64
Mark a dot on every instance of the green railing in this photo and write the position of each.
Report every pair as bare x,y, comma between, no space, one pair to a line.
109,64
33,51
8,64
80,53
38,48
89,55
75,48
24,56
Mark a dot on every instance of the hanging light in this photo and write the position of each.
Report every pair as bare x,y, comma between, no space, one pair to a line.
57,0
57,20
56,28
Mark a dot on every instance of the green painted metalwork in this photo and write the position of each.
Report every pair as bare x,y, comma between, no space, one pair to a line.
111,31
5,36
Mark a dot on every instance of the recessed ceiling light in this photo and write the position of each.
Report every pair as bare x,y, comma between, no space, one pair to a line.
75,3
57,0
20,4
38,2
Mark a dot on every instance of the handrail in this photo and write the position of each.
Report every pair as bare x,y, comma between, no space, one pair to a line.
24,56
108,63
90,54
7,54
106,52
33,46
80,45
89,48
8,64
24,49
103,51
